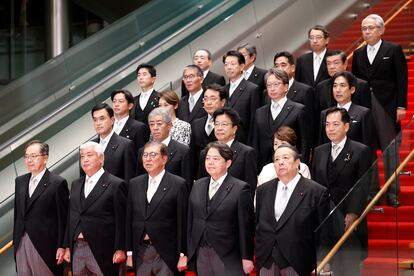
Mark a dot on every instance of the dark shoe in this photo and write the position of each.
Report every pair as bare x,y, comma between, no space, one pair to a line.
393,202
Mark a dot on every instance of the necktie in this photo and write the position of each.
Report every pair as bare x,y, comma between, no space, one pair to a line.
32,186
191,103
275,110
118,127
152,188
232,88
335,151
371,54
143,100
88,187
213,189
246,75
209,126
282,202
316,65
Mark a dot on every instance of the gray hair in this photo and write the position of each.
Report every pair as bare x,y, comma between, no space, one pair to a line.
279,74
378,20
95,146
159,111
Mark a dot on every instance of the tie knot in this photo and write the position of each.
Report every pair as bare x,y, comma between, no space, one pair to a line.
284,188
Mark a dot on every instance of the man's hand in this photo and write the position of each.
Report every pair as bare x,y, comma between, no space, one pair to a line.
349,219
400,113
182,263
60,253
247,266
119,257
66,257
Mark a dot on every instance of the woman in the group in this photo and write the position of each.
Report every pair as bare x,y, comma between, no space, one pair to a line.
181,130
283,135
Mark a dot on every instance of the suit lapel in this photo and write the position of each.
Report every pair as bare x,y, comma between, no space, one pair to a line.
237,93
23,192
354,116
284,113
292,93
40,188
97,191
253,75
378,58
235,146
322,68
76,193
271,205
196,108
126,129
152,101
295,199
221,194
342,160
325,159
111,147
159,195
172,150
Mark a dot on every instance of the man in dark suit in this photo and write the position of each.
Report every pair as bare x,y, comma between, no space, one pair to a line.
384,66
251,72
220,219
336,62
156,217
202,129
297,92
202,58
120,156
280,112
95,234
191,106
244,96
288,210
361,124
226,121
178,154
40,210
311,67
338,165
147,100
124,125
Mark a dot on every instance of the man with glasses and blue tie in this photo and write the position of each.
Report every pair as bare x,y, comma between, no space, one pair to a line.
40,211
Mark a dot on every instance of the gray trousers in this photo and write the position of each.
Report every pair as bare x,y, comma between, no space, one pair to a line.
209,263
149,262
28,260
274,270
84,263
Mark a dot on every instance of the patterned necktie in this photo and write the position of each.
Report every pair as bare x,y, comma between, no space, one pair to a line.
152,188
274,110
191,103
316,65
282,203
118,127
213,189
371,54
32,186
88,187
209,126
335,151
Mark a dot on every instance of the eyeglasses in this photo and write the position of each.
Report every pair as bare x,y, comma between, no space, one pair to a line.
150,155
370,27
33,156
275,84
189,77
316,37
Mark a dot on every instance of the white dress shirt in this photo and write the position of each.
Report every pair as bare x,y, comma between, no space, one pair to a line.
280,202
90,181
153,184
34,181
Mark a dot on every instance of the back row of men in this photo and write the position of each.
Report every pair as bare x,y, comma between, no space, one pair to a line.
248,124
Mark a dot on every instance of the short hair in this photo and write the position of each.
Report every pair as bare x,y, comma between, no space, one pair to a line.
224,150
336,53
149,67
286,134
285,54
159,111
205,50
127,94
319,28
279,74
101,106
350,78
195,67
220,89
44,148
95,146
170,97
294,150
230,112
237,54
378,19
249,48
163,147
344,114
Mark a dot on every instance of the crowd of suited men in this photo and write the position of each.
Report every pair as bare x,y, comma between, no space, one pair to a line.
229,171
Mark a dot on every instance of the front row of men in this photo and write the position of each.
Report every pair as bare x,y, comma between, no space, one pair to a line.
210,229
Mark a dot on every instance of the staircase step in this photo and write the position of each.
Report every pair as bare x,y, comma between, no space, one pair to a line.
389,248
388,230
402,213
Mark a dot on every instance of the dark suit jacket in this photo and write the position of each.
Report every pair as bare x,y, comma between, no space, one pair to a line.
142,115
135,131
292,115
183,110
228,224
100,217
210,78
120,157
341,175
360,127
43,216
304,70
199,139
245,100
257,77
303,94
241,167
163,219
294,233
387,76
179,161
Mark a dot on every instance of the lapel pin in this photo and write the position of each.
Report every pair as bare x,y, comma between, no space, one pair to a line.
104,185
113,147
348,157
301,194
228,189
164,189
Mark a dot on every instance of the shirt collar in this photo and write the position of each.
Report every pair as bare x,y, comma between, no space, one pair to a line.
197,95
249,70
237,82
340,144
290,82
166,141
205,73
291,184
229,143
39,176
95,177
148,92
157,178
123,120
220,180
346,106
321,55
107,138
376,46
281,102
